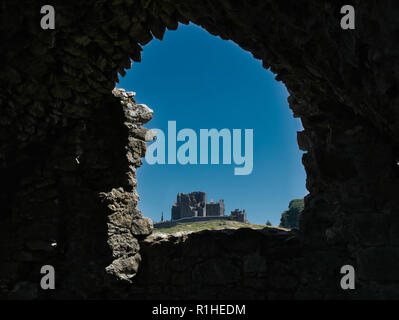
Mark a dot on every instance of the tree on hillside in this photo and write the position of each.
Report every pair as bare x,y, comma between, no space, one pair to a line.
290,218
268,223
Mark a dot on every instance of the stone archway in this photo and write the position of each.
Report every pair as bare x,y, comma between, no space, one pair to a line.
64,138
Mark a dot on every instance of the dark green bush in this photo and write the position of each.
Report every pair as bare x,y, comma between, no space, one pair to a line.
290,218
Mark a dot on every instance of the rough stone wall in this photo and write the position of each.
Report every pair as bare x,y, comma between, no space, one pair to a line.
61,215
228,264
126,224
64,145
246,264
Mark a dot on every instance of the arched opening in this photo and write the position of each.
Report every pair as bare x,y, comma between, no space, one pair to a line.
200,82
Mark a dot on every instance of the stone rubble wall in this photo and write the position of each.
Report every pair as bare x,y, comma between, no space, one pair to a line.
235,264
126,224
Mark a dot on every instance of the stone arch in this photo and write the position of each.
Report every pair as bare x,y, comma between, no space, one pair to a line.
65,138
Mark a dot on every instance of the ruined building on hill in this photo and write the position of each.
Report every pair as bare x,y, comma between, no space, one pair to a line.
194,206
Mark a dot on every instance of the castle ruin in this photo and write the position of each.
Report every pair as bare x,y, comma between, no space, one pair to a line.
239,215
195,205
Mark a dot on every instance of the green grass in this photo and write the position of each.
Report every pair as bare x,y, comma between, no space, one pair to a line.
208,225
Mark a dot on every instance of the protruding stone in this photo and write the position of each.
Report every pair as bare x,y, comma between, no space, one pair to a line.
139,113
125,268
142,227
123,244
150,135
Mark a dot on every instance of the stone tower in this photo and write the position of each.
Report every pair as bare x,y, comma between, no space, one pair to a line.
195,205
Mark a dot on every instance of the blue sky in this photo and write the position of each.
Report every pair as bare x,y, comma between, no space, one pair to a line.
203,82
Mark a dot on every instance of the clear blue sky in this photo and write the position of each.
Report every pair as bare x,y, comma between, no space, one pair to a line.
203,82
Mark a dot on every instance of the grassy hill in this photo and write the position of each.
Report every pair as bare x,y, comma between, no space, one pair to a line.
208,225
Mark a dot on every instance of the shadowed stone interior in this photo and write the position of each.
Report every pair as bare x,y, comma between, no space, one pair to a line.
70,147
